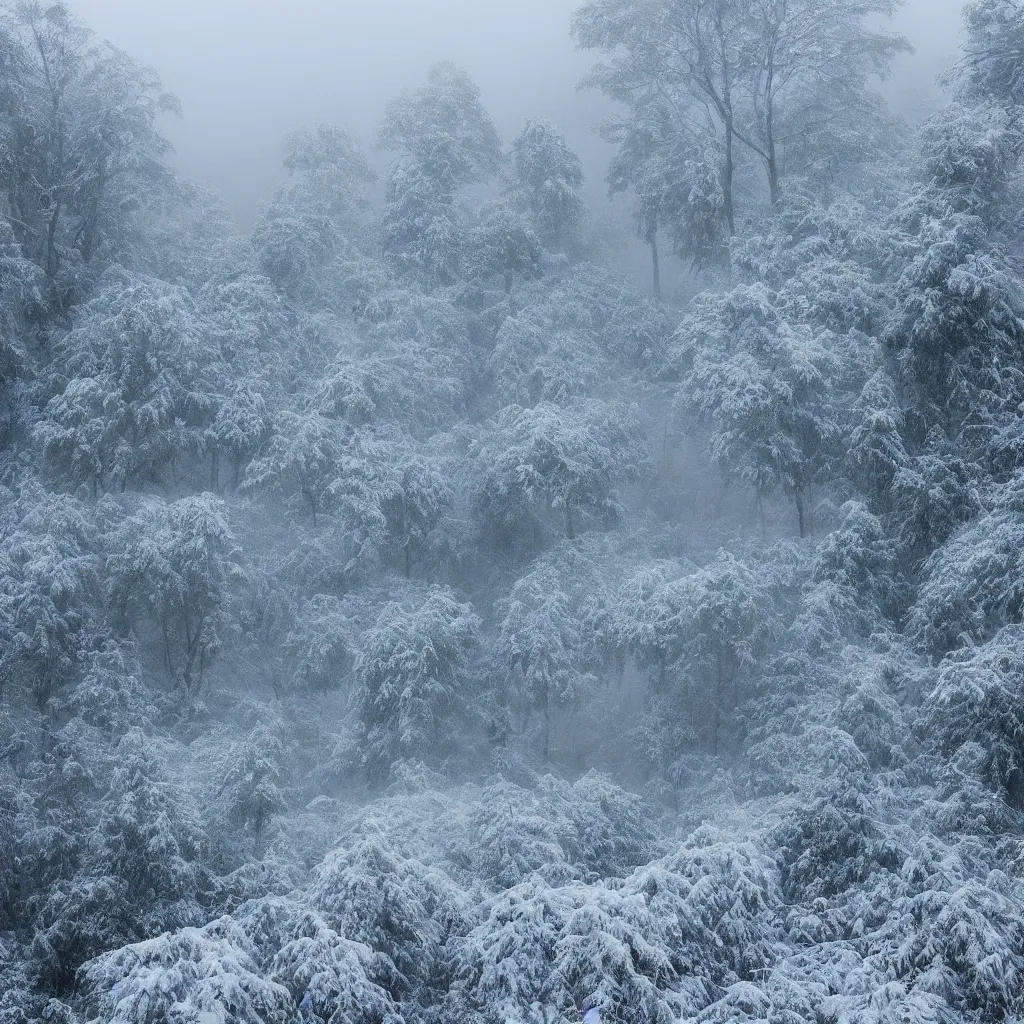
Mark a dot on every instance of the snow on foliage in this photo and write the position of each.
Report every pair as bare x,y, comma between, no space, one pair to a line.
131,395
176,562
412,677
403,618
971,586
333,977
207,975
48,570
552,463
759,380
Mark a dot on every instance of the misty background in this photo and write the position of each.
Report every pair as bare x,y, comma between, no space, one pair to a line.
247,72
434,593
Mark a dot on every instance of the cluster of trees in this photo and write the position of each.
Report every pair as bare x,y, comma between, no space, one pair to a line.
727,100
404,617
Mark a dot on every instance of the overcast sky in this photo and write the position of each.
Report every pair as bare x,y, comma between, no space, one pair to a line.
249,71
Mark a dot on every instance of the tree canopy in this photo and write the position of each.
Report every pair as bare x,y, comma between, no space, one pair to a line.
407,617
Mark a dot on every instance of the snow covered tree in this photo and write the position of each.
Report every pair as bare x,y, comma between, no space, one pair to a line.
542,639
552,461
49,595
252,328
447,142
933,496
626,324
291,247
785,83
131,389
240,426
319,218
726,619
765,386
250,788
877,452
412,368
857,560
184,233
833,844
329,173
713,904
676,187
971,586
669,61
139,872
975,709
300,461
417,501
636,167
411,674
21,295
423,230
567,339
557,830
174,564
333,977
971,153
503,245
698,631
444,129
537,360
809,65
396,906
995,35
957,326
319,646
81,140
641,618
111,695
209,974
716,621
549,180
151,839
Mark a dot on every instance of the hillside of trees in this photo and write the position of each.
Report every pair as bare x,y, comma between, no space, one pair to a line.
407,618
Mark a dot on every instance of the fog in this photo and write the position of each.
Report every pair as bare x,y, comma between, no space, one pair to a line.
249,71
450,597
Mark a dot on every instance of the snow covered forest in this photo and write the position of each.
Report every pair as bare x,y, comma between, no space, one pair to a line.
408,615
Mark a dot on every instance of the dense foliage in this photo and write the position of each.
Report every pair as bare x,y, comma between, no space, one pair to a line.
404,618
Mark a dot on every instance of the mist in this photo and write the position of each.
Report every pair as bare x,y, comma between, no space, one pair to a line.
458,566
248,73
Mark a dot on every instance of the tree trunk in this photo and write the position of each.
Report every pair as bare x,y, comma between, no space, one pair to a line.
656,263
798,497
168,663
52,257
725,110
257,833
718,703
735,686
773,177
772,160
546,735
728,174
